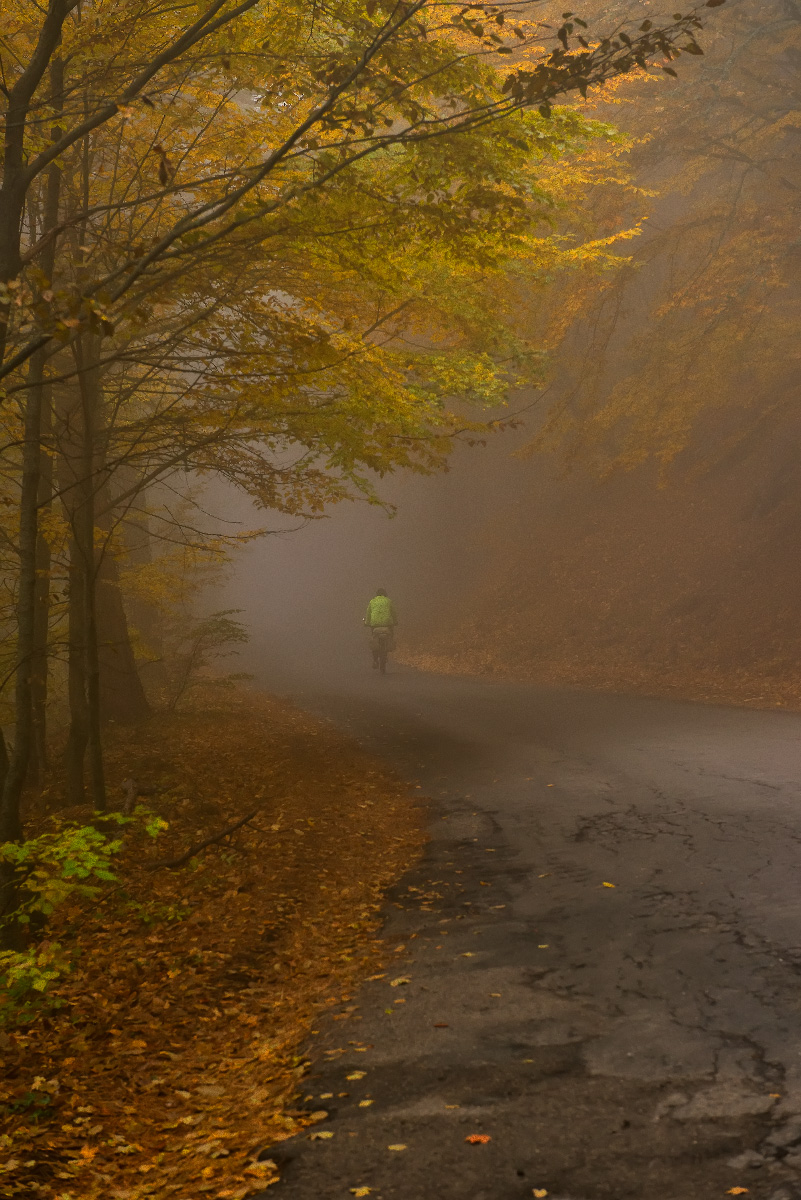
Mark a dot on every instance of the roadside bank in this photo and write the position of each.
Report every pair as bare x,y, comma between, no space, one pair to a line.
174,1055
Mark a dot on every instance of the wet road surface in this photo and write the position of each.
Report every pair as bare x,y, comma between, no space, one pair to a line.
602,946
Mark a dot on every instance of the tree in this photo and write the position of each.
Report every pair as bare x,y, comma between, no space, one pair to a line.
242,180
699,331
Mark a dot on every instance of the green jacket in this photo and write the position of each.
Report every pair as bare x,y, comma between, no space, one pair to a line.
380,611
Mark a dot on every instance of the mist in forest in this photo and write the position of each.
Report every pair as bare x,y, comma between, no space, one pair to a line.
301,302
303,592
638,529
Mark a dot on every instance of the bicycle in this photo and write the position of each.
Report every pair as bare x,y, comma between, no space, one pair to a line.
382,639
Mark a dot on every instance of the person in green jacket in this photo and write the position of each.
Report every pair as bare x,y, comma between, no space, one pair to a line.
380,615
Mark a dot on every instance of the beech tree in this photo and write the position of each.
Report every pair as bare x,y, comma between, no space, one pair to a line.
268,242
697,335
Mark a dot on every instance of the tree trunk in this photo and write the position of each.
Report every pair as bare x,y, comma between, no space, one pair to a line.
78,735
69,441
122,696
143,613
85,349
41,616
10,820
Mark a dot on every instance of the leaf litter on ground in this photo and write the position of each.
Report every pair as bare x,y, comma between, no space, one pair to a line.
177,1055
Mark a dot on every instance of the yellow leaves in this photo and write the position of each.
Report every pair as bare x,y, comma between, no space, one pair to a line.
219,747
365,1103
606,884
361,1191
539,1193
259,1169
400,981
320,1135
737,1191
397,1147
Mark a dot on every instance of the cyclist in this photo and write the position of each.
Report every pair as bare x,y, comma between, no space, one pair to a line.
381,620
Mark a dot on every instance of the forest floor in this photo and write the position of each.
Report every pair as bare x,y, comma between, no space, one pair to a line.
174,1060
747,687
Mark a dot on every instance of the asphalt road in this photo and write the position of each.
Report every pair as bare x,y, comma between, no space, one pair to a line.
640,1040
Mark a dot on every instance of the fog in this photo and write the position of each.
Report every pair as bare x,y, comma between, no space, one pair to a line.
647,543
303,593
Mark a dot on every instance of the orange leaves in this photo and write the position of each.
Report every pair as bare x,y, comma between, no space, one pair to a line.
478,1139
197,1067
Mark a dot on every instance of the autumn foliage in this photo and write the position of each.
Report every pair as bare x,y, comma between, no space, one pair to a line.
285,249
171,1055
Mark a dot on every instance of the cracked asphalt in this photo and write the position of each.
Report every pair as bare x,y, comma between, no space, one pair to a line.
640,1040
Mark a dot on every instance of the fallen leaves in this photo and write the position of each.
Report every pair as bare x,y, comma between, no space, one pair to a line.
737,1191
218,994
478,1139
540,1193
606,883
400,981
361,1191
397,1146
